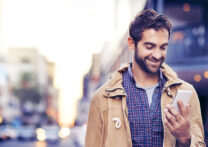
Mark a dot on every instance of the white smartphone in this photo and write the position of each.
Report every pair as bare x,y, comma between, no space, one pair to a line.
184,96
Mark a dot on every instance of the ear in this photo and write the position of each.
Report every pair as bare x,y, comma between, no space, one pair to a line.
131,45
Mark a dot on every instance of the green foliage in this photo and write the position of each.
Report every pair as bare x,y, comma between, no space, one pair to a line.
27,77
27,89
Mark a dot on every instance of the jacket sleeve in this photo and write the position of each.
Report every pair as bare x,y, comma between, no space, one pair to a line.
196,126
197,130
94,125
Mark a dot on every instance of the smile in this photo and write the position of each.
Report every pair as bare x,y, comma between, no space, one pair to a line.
154,61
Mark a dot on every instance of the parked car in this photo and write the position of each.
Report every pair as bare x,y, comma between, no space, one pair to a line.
26,133
7,132
48,133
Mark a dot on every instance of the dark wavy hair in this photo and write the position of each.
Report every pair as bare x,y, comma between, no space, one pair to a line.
148,19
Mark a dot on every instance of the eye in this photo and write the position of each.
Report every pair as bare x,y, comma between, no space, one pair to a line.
149,47
163,47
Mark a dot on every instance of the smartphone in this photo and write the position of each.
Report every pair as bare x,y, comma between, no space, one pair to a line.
184,96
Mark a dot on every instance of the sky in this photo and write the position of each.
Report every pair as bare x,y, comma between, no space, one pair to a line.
67,32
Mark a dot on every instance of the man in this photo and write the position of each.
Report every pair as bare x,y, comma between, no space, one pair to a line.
133,107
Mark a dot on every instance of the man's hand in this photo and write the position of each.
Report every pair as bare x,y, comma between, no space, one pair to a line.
178,124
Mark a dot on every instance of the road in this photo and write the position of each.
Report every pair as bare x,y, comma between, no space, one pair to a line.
16,143
75,139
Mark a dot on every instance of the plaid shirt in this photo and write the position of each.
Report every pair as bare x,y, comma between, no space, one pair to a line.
145,122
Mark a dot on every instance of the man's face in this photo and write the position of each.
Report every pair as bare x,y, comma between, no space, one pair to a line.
151,50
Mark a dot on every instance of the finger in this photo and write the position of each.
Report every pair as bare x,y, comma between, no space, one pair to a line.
182,108
170,118
167,123
174,112
187,109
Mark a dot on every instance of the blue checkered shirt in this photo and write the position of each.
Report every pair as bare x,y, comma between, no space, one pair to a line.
145,121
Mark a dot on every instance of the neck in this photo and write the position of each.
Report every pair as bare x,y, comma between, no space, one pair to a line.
142,77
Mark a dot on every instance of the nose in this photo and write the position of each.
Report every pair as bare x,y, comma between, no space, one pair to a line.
157,54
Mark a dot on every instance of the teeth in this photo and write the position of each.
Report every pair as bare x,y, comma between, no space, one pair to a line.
154,61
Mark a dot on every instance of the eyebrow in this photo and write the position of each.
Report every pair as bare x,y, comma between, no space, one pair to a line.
150,43
164,44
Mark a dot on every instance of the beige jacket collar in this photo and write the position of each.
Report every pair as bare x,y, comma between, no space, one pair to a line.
115,88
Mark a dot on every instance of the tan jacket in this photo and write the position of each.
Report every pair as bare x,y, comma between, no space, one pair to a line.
109,104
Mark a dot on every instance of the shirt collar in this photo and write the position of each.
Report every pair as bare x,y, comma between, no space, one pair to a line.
162,79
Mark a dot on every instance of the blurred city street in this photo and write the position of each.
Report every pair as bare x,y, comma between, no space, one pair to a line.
75,139
64,143
13,143
54,55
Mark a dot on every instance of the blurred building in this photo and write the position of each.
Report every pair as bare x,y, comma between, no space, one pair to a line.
27,60
52,94
27,73
9,105
90,83
29,77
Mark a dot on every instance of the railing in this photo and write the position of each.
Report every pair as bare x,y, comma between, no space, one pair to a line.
188,43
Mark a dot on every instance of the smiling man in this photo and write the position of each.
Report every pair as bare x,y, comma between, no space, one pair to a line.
133,107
